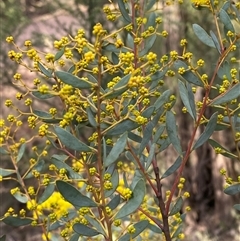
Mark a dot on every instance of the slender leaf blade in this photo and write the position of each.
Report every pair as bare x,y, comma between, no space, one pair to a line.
116,150
233,189
73,80
134,202
85,230
210,128
72,195
172,168
70,141
172,131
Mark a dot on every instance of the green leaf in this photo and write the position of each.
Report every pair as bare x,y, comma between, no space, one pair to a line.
59,163
22,198
47,193
3,151
162,99
134,202
149,43
72,195
21,152
148,5
154,228
172,168
91,118
158,133
85,230
59,54
224,151
224,69
188,74
134,137
203,36
42,96
3,238
172,131
115,201
118,89
233,189
38,167
44,70
123,10
115,183
178,231
148,112
177,206
117,149
150,156
16,221
226,97
187,98
236,206
125,125
139,227
42,114
210,128
70,141
95,223
215,41
148,131
6,172
75,237
151,21
73,80
225,19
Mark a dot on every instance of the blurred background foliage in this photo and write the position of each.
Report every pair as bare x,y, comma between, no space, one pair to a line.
209,209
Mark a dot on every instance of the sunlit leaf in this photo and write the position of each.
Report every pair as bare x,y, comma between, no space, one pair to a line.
73,80
21,152
231,94
172,131
59,54
96,224
70,141
139,227
187,99
75,237
22,198
38,167
224,151
215,41
225,19
188,74
210,128
149,43
203,36
3,151
6,172
85,230
45,71
134,202
74,196
42,96
162,99
123,10
116,150
125,125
